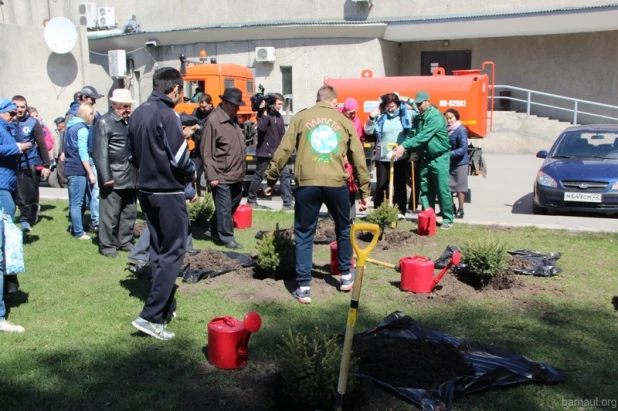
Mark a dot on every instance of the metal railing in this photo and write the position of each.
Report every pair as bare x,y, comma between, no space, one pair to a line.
575,102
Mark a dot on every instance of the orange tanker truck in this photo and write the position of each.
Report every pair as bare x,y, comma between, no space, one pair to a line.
464,90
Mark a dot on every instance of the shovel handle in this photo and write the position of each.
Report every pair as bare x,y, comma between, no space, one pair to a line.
363,253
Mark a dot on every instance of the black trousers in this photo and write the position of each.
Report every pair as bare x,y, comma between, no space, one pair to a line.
227,199
27,213
117,214
400,195
168,222
285,182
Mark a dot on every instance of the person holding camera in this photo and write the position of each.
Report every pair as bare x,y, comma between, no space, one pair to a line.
271,129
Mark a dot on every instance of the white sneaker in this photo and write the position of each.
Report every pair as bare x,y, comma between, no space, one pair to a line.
401,217
84,237
9,327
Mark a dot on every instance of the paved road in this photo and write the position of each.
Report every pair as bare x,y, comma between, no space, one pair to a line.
503,198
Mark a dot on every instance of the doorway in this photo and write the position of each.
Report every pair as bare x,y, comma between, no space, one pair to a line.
449,60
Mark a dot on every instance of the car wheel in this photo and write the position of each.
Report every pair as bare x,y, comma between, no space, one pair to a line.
537,209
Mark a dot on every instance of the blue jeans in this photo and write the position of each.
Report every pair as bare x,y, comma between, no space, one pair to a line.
306,212
93,197
7,203
77,195
4,201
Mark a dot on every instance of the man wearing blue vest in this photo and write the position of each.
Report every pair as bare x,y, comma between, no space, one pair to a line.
36,158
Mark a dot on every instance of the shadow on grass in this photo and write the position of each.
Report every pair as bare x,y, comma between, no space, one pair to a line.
175,374
30,238
15,300
137,288
47,207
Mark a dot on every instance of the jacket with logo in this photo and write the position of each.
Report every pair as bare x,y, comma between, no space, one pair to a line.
223,148
75,147
158,148
322,137
29,130
111,152
429,135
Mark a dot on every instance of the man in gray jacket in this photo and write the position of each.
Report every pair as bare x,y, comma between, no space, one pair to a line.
116,177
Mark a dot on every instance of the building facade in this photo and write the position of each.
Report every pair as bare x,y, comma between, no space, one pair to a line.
564,47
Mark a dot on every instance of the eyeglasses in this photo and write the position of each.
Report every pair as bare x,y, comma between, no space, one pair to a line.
12,113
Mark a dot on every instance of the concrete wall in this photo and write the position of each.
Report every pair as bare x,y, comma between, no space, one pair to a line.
580,66
46,79
177,14
311,61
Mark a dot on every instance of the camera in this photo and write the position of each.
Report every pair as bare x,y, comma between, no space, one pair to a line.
260,96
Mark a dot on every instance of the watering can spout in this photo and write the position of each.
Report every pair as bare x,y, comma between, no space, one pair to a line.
252,323
454,261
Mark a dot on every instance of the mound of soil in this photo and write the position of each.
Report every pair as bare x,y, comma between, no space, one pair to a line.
211,260
324,232
396,239
403,362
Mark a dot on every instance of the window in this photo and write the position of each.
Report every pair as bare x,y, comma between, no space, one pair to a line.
249,87
286,80
228,83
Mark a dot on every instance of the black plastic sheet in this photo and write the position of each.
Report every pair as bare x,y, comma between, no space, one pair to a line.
545,263
190,275
493,367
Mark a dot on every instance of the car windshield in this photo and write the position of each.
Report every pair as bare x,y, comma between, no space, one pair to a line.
587,144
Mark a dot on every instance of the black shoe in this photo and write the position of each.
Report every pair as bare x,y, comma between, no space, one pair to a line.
233,245
459,213
289,207
93,228
11,284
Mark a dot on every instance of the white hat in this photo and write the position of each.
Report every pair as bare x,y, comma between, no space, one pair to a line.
122,95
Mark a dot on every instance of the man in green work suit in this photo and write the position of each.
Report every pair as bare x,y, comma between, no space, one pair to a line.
429,138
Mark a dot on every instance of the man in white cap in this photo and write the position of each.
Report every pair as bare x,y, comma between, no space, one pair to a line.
116,177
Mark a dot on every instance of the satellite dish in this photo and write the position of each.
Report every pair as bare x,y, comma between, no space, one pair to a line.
60,35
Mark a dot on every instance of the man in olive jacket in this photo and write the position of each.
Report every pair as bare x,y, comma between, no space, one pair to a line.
223,151
429,137
116,176
322,137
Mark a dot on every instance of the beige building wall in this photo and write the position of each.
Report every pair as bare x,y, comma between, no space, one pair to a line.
581,66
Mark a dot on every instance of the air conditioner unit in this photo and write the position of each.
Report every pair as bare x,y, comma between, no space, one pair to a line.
265,54
106,17
117,63
87,15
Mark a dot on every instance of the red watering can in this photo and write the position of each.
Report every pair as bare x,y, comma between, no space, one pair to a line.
427,222
334,259
228,339
417,273
243,217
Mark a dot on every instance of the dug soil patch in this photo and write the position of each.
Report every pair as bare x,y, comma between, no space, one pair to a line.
396,239
411,363
249,284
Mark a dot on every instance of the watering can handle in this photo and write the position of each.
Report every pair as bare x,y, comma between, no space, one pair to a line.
229,321
362,254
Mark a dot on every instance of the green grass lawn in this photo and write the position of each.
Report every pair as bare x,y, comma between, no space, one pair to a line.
79,350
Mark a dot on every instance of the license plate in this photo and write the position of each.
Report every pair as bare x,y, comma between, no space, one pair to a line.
583,197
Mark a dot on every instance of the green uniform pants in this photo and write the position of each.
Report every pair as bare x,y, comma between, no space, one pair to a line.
434,177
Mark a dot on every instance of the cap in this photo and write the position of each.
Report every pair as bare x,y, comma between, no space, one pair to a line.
188,120
421,96
59,120
7,105
350,104
91,92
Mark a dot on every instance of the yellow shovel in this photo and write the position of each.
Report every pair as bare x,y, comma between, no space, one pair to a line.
358,281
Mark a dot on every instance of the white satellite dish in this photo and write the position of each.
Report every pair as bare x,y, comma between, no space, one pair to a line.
60,35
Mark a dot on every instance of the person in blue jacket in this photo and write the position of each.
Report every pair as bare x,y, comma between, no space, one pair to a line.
9,154
77,166
458,137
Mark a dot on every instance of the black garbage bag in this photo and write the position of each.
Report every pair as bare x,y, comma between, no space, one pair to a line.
446,256
545,263
493,367
247,260
193,276
141,270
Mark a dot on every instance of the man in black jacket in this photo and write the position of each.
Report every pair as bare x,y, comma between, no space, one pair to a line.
116,177
159,151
